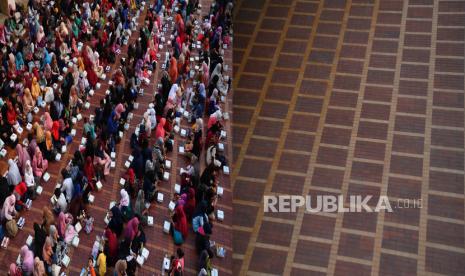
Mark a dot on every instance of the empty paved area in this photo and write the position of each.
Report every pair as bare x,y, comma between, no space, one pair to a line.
350,97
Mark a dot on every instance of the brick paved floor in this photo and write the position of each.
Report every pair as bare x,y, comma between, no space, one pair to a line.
158,243
349,97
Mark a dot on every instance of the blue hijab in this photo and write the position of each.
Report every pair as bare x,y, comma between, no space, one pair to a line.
19,61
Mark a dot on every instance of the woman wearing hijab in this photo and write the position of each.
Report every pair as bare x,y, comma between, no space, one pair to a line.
39,268
29,178
205,74
139,208
48,122
11,115
220,84
39,164
89,171
48,219
160,129
131,229
120,268
19,61
189,205
28,102
39,134
112,242
119,110
8,210
180,221
35,89
47,251
116,222
23,157
125,206
48,150
213,105
13,176
173,70
65,229
27,257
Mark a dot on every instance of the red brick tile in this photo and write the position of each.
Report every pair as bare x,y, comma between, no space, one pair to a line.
400,239
313,87
366,171
336,136
369,150
451,234
246,190
255,168
383,61
363,221
343,99
445,262
274,110
404,188
312,253
277,92
447,207
275,233
397,265
318,226
345,268
268,128
446,182
372,130
339,117
408,144
410,124
267,260
294,162
304,122
446,159
260,147
309,104
300,142
332,156
288,184
325,177
356,246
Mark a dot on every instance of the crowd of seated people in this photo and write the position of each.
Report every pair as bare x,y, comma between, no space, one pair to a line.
52,63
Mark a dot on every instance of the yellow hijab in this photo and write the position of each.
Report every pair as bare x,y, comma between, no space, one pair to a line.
35,88
40,136
48,140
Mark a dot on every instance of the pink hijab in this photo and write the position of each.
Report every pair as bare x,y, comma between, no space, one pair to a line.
48,122
205,74
132,228
23,156
61,224
118,110
8,207
28,260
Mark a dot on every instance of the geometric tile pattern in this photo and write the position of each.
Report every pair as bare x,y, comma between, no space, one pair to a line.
350,97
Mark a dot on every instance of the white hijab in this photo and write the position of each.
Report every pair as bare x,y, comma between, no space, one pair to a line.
29,175
14,176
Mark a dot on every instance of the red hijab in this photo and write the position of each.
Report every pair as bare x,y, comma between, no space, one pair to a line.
180,221
56,130
160,129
